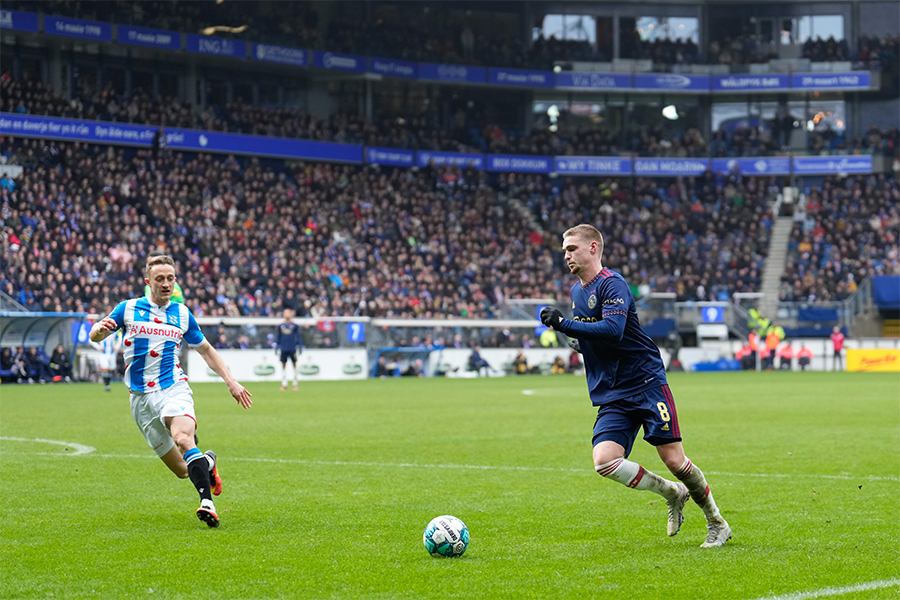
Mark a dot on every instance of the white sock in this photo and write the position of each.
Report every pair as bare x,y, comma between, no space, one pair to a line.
295,375
210,461
693,478
284,377
633,475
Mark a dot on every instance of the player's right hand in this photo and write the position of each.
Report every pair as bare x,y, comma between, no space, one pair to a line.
108,324
575,345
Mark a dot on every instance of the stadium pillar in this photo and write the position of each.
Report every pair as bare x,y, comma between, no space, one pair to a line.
55,74
617,36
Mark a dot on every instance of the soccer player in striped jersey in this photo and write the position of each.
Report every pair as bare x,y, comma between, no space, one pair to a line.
161,399
109,349
627,382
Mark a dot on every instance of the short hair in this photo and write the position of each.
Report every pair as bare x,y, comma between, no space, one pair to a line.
586,232
157,259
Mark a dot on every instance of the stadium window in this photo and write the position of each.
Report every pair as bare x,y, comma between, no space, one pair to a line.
568,27
668,28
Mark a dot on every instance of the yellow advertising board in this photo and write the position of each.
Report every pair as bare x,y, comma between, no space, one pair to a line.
881,360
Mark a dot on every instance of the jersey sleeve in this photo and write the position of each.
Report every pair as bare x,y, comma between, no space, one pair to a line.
118,315
193,335
613,310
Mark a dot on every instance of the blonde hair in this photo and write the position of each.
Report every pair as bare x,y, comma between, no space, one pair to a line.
158,259
588,233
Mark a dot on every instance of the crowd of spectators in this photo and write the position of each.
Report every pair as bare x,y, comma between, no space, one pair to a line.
443,34
323,239
847,231
422,132
701,238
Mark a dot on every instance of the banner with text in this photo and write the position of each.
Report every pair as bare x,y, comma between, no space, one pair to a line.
593,81
750,83
20,21
521,77
152,38
179,139
78,28
668,167
391,157
339,62
831,165
778,165
671,82
394,68
280,54
593,165
452,73
858,80
203,44
461,159
873,360
509,163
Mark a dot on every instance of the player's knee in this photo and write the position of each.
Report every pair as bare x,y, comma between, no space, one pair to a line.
604,458
184,440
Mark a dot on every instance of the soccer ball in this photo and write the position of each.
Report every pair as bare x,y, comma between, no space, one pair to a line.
446,536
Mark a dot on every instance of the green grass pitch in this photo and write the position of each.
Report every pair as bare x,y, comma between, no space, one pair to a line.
328,490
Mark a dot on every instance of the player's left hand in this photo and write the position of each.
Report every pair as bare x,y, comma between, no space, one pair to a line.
240,393
575,345
551,317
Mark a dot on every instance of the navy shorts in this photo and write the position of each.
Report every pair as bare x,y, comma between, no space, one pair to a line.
292,355
654,408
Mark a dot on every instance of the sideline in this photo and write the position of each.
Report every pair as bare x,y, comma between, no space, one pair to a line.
837,591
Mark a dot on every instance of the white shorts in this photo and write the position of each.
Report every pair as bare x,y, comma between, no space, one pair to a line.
107,362
150,411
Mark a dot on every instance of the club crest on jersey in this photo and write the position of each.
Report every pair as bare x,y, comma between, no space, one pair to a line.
592,301
173,319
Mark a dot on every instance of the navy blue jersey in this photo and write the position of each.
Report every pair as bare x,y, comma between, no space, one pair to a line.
620,359
289,338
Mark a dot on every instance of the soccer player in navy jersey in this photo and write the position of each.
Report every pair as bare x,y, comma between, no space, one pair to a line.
627,381
288,343
161,399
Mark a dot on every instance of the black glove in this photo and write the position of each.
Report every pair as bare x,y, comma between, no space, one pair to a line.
551,317
574,345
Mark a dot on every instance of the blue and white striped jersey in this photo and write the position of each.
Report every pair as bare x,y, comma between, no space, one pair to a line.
153,336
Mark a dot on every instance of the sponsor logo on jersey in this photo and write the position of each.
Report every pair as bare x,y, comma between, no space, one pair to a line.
138,329
614,301
592,301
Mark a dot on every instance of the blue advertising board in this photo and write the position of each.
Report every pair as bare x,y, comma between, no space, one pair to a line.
511,163
284,55
336,61
751,83
180,139
671,82
20,21
204,44
776,165
391,157
394,68
152,38
453,73
593,165
521,77
832,165
593,81
713,314
858,80
462,159
78,28
668,167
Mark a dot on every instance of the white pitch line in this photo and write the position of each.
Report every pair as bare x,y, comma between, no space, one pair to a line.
837,591
353,463
80,449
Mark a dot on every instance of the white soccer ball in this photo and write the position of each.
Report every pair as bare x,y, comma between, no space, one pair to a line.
446,536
